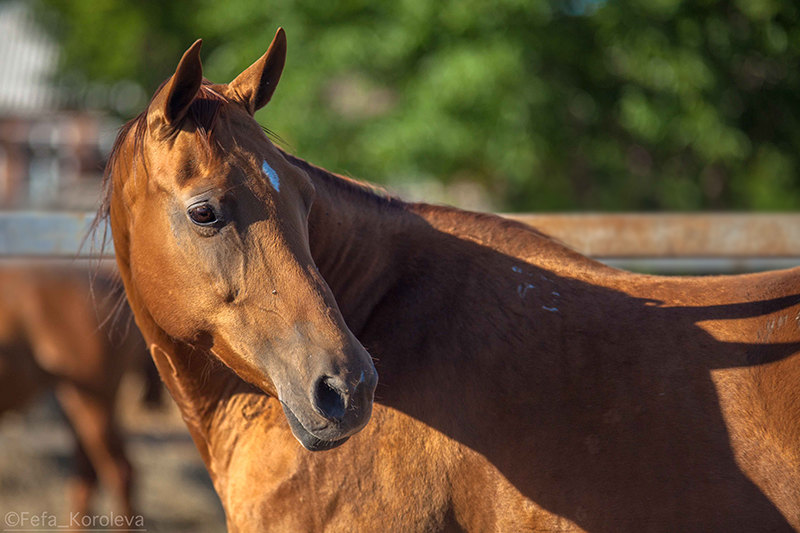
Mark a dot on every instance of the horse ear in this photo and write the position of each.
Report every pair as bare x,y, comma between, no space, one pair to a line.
178,93
254,86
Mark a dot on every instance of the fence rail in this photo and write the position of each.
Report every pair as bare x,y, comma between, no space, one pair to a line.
667,243
679,243
37,234
674,234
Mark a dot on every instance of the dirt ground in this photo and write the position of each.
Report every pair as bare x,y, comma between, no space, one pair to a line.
173,491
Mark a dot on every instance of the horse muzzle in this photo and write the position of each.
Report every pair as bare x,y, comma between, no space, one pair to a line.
332,411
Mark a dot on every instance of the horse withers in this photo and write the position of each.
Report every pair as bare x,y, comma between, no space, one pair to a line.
523,386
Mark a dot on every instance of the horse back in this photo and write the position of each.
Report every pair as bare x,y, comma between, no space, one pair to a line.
618,389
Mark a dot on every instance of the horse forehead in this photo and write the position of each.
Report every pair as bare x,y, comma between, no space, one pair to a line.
185,160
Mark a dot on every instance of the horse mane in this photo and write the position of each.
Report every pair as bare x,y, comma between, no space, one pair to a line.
365,190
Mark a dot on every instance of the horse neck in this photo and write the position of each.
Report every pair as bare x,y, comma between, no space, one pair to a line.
354,239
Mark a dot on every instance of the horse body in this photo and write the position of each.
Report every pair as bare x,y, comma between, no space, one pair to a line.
523,387
53,334
588,399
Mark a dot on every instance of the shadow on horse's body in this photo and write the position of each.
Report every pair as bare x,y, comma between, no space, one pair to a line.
523,387
55,334
613,401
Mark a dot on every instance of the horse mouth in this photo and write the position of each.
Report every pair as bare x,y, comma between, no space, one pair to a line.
306,438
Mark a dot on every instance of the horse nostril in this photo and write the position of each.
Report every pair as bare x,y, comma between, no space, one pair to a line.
330,397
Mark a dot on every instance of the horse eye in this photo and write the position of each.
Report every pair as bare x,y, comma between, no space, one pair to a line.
202,214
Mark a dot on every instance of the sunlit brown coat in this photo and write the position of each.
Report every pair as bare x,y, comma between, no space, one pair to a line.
523,387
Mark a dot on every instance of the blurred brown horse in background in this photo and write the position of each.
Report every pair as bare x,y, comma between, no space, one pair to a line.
54,333
524,387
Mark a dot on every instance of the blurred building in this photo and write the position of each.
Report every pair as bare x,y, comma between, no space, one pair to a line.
49,157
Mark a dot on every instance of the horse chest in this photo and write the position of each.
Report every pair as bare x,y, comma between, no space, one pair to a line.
396,475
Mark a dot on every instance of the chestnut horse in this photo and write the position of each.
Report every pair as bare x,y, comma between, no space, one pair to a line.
55,334
524,387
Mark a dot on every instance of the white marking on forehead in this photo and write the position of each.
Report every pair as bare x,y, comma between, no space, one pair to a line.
272,175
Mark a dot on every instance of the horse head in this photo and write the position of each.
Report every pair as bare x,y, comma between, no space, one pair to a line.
210,226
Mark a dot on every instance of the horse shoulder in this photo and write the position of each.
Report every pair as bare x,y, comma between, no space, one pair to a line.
392,476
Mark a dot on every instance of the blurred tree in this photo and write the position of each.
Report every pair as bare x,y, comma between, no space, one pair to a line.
575,104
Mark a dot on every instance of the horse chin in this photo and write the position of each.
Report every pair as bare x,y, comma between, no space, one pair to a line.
304,437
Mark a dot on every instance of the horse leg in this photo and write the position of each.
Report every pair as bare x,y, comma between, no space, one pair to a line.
92,418
19,378
84,481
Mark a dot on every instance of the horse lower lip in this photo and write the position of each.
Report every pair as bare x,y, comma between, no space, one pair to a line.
305,437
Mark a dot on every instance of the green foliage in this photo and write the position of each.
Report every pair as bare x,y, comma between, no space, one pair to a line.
577,104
